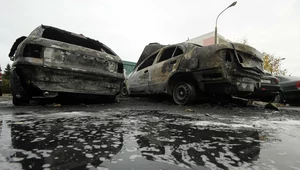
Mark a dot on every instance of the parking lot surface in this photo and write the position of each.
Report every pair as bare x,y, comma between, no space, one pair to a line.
143,133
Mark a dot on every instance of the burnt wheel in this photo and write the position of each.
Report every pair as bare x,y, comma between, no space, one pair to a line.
19,102
184,93
278,98
124,91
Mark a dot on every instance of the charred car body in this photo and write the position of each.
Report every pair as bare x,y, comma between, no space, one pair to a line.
187,70
51,61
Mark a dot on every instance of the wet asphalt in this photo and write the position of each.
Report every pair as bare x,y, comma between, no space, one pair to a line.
143,133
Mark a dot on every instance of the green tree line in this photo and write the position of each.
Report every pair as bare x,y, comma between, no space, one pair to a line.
272,63
5,79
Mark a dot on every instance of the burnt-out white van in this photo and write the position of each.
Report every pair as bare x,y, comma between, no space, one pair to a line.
51,61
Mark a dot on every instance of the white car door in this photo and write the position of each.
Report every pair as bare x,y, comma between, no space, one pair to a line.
168,62
138,82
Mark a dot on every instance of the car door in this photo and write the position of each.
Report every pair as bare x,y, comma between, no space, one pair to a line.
138,82
167,62
288,87
290,90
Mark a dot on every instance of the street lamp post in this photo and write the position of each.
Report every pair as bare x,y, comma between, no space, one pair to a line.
216,28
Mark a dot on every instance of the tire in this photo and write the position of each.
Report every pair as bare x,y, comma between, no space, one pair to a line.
184,93
278,98
124,90
18,102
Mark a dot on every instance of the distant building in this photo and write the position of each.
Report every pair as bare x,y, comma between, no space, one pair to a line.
128,67
208,39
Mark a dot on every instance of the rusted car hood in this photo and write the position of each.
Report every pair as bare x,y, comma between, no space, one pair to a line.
246,49
149,49
252,57
237,46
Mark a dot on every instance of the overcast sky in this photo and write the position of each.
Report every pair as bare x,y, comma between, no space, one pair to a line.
126,26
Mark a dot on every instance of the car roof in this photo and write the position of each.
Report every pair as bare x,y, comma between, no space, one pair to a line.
153,47
288,78
70,37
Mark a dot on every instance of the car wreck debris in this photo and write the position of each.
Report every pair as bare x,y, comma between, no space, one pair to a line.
51,61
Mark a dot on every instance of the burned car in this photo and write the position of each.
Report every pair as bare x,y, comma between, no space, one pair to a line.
51,61
188,70
270,90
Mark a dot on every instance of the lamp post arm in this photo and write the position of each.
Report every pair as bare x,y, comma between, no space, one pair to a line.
216,27
220,14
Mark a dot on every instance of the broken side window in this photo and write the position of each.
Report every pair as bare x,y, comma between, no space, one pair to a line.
170,52
148,62
178,51
228,57
33,50
64,36
120,68
240,58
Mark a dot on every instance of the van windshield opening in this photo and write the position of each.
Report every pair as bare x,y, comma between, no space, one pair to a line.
64,36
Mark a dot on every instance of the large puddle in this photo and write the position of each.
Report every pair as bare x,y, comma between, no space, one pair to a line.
144,140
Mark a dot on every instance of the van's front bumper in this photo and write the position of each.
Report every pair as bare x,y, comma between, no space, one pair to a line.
34,80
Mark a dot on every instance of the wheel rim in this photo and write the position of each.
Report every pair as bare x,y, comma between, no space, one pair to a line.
182,93
124,90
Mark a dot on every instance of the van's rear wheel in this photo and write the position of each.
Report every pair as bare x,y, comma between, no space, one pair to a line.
184,93
19,102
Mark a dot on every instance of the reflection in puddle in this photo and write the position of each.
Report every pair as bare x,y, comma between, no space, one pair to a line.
191,146
65,143
139,139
